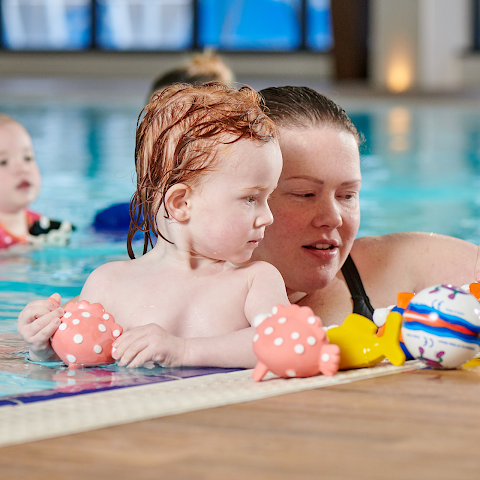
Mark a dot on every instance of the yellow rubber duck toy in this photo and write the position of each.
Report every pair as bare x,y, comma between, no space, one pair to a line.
362,344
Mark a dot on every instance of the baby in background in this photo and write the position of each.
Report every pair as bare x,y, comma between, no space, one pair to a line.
20,183
207,159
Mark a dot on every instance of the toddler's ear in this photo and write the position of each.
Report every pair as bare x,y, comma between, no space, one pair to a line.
177,202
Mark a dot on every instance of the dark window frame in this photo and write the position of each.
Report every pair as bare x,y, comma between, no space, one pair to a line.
476,25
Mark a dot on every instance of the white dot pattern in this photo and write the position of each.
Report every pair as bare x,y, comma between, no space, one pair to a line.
256,337
290,343
274,310
86,337
325,357
299,348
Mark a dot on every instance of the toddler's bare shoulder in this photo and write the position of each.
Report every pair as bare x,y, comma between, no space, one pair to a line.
109,272
263,269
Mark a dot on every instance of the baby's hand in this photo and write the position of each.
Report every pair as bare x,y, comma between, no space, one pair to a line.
37,322
148,342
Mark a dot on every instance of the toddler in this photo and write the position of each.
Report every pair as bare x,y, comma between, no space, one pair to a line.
20,183
207,159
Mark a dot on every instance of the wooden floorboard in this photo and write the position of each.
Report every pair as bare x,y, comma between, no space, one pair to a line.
423,424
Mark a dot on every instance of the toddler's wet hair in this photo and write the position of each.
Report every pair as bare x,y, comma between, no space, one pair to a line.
178,133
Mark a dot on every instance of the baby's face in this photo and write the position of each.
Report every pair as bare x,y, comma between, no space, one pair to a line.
19,175
229,210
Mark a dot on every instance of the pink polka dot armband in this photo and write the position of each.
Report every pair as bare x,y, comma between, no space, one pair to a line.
291,342
85,335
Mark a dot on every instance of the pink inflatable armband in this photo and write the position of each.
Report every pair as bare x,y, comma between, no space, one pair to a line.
85,335
291,342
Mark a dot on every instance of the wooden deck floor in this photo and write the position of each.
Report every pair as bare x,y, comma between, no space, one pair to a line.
424,424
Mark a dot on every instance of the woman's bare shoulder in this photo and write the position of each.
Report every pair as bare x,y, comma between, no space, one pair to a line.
402,244
421,258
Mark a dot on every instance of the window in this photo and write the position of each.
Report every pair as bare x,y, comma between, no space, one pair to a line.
46,24
144,25
163,25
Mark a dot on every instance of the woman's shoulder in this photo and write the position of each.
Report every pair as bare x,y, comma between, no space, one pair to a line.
417,259
402,243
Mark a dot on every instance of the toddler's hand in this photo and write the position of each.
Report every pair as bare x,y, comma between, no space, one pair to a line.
148,342
37,322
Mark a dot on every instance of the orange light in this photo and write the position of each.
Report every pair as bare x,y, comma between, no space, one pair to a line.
399,74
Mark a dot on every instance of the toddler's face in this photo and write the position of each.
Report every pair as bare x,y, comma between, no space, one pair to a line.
19,175
229,210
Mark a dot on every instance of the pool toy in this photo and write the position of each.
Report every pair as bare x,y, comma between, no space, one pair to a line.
291,342
474,289
85,335
362,346
114,219
441,325
380,316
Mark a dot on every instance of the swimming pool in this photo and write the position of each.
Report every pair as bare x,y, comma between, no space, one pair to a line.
421,171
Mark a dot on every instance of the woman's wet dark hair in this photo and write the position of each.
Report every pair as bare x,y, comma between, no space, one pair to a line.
303,107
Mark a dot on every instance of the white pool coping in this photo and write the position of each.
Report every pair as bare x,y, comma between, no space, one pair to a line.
80,413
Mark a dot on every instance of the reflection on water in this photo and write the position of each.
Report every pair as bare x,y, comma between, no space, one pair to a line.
421,171
24,381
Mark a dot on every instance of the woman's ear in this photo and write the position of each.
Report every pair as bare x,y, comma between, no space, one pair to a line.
177,202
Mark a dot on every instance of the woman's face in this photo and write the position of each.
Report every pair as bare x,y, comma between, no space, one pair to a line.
315,207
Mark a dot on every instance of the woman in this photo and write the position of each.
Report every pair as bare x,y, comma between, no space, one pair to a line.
316,218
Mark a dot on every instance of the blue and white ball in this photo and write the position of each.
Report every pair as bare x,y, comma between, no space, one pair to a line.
441,326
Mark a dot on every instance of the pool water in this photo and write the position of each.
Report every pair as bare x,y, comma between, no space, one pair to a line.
421,171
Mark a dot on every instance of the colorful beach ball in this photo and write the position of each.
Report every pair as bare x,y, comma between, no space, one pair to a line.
441,326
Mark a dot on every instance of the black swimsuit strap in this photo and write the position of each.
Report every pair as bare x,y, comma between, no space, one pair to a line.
361,302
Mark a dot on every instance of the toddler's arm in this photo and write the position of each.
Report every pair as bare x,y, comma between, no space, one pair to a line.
37,322
152,342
